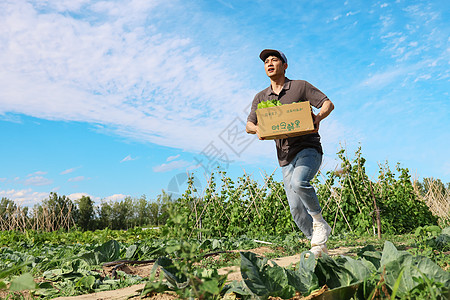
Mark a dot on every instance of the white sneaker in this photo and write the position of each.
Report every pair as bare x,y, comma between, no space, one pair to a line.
321,232
317,251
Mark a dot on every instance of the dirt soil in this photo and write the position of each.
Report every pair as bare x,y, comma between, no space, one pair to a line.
132,292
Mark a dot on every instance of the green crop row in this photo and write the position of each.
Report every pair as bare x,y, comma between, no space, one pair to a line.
351,202
68,263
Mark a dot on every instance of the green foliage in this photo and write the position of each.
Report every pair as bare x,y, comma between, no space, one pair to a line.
60,212
350,199
231,209
432,242
400,206
181,275
67,261
345,196
86,213
390,272
129,212
265,280
7,209
269,103
54,213
66,270
351,202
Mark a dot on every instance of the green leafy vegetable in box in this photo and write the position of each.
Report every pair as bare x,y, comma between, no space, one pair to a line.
269,103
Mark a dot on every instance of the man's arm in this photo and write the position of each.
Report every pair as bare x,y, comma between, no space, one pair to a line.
252,128
325,110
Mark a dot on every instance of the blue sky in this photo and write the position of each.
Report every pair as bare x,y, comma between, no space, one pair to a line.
122,98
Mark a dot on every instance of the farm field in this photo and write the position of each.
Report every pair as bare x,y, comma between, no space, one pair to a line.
235,240
66,264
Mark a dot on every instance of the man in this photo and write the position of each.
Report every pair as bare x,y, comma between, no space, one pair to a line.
300,157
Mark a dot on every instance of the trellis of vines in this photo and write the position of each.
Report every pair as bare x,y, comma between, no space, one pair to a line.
351,202
231,208
43,218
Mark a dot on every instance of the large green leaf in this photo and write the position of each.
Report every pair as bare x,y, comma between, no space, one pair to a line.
263,279
171,273
446,230
360,269
340,293
86,283
391,254
110,251
5,273
304,280
23,282
131,251
107,252
92,257
238,288
154,287
393,262
369,253
333,274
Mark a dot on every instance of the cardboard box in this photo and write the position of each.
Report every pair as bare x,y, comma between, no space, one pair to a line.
284,121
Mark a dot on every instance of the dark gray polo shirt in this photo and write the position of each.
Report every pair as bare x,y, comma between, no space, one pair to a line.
293,91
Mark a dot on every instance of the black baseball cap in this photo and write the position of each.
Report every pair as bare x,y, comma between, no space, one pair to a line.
268,52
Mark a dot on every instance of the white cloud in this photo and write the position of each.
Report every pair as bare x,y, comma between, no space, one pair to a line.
97,200
77,179
68,171
76,196
61,5
226,3
423,77
173,165
115,197
381,79
351,13
37,173
2,179
127,158
26,197
170,158
10,118
38,181
386,21
421,38
99,69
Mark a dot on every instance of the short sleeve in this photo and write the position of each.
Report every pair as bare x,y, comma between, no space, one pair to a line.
252,115
314,95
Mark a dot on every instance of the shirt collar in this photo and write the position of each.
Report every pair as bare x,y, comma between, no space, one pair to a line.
286,86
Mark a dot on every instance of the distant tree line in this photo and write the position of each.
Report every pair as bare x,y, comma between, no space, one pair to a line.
60,212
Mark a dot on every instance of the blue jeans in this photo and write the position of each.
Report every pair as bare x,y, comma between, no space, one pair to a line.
301,195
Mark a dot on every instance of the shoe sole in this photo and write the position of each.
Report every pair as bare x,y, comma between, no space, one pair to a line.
323,249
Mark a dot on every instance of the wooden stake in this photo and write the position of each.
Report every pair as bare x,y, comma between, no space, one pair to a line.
377,211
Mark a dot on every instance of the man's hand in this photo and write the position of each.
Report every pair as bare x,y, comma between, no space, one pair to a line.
253,129
316,122
325,110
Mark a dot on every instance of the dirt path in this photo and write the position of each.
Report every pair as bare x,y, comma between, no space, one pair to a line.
144,271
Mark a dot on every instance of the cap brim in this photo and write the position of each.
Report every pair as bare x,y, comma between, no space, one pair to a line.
267,52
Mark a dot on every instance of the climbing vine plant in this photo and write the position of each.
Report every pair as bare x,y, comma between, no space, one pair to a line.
351,202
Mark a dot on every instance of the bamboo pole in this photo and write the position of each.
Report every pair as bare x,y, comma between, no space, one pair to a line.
377,211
